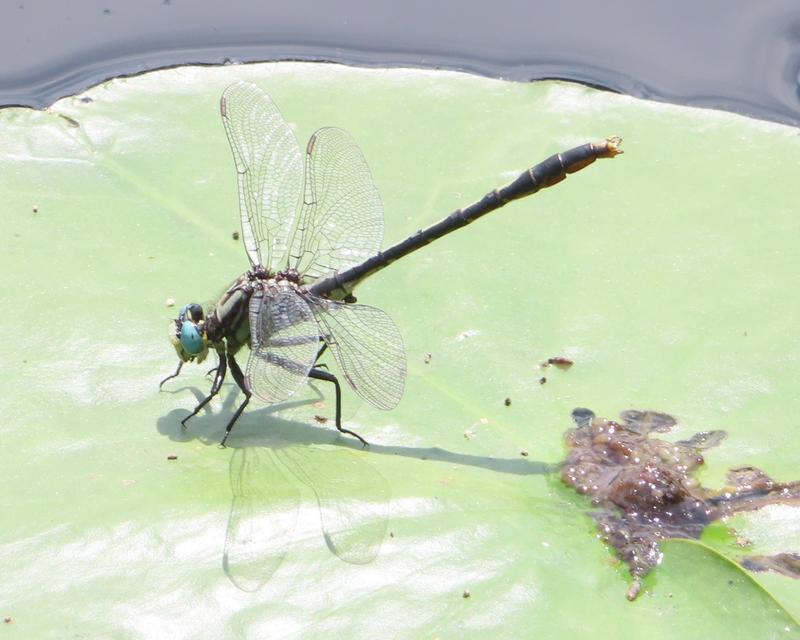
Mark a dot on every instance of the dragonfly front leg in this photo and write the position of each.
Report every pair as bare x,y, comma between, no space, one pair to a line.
239,377
215,387
319,374
174,375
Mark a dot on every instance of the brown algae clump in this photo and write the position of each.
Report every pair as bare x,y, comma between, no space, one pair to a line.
646,490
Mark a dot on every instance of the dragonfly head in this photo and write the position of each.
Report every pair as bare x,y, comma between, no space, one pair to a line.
187,334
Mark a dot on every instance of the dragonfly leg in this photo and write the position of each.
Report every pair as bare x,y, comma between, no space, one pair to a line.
214,370
237,374
319,355
318,374
215,387
174,375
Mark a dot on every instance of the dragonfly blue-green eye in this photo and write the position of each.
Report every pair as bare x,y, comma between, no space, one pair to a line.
191,338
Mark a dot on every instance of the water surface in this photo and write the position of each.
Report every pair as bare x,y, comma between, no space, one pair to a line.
735,55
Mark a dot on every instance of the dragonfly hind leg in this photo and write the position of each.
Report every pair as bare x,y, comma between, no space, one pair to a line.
215,387
318,374
237,374
317,364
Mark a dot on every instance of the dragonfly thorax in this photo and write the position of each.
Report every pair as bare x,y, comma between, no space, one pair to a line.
291,274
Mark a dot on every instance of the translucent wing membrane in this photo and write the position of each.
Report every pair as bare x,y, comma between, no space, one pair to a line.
367,346
284,341
341,219
269,165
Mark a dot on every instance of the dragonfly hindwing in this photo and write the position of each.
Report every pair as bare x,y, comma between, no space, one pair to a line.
367,346
341,219
284,340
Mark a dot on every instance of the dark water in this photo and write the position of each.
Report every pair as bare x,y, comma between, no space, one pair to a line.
738,55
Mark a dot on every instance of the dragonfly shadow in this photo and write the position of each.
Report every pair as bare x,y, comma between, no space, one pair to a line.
265,427
272,456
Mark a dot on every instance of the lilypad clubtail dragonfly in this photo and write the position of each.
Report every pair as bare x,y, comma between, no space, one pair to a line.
312,228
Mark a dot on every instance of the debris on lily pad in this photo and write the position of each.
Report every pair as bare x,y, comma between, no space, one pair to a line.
646,490
562,362
787,564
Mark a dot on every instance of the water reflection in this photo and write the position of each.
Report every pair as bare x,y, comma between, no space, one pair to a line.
352,498
276,450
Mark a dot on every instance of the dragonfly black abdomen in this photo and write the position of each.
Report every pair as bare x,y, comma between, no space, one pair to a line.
543,175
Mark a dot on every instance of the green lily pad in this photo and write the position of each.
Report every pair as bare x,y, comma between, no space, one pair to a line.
667,275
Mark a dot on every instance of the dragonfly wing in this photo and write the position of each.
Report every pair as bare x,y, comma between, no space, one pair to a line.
269,166
284,341
368,348
353,498
341,217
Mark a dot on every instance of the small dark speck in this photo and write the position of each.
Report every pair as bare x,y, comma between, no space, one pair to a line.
321,419
235,235
524,453
559,361
35,209
167,2
466,594
86,100
427,358
106,11
730,582
507,402
172,457
542,380
745,334
7,619
72,122
25,362
391,534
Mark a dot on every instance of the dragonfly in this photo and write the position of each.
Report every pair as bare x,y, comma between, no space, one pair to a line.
312,227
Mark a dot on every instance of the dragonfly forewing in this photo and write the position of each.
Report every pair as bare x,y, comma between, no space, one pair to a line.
367,346
269,167
284,341
340,223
